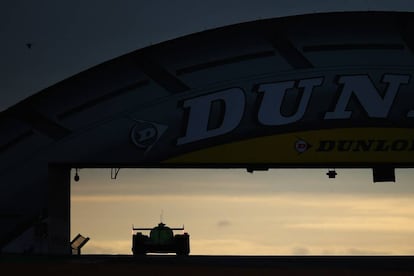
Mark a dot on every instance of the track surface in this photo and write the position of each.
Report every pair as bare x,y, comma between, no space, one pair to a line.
208,265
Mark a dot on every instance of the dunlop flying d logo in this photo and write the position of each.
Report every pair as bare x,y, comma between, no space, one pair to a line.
302,146
146,134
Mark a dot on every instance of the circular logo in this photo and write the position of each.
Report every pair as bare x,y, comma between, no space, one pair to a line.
144,134
301,146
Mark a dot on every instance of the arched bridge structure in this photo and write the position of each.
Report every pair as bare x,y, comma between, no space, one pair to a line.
320,90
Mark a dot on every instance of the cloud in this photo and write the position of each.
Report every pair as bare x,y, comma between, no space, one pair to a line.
352,223
107,247
300,251
266,224
223,223
216,246
359,251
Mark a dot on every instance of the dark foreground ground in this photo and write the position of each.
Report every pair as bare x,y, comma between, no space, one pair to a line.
206,265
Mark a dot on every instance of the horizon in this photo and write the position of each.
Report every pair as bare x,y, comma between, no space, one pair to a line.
232,212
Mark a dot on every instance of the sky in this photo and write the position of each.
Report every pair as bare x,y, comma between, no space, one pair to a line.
232,212
225,211
70,36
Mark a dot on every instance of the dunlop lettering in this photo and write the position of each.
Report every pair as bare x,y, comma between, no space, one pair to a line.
377,104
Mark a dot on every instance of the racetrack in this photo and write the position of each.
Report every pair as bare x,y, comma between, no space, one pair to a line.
206,265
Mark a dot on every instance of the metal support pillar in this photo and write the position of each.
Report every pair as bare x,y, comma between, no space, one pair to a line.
59,210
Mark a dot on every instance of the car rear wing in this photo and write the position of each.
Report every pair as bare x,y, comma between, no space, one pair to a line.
149,229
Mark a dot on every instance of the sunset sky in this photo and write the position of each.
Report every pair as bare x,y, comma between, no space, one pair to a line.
232,212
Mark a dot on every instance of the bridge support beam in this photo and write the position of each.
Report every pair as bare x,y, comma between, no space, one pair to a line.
59,210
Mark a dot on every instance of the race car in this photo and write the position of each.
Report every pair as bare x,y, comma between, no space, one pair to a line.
161,239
